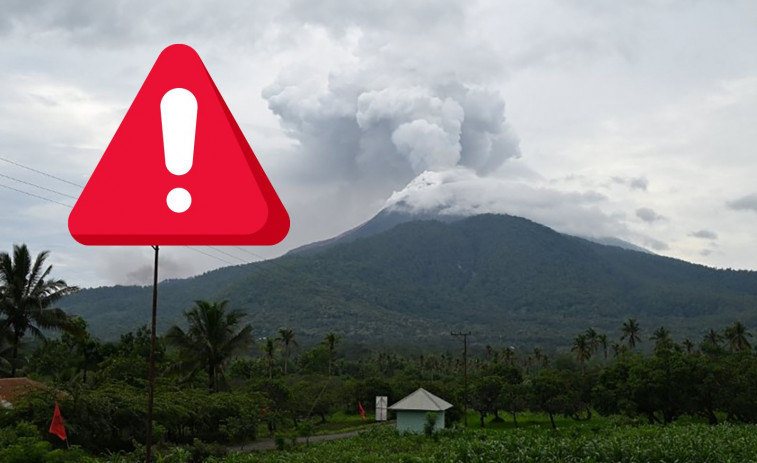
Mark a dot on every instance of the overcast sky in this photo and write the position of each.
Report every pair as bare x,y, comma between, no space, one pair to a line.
636,120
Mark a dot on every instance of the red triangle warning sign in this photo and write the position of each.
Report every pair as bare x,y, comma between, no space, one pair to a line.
178,171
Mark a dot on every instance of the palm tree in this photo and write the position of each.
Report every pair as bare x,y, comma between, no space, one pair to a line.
592,337
617,349
331,340
661,338
541,359
603,341
688,345
582,348
737,335
631,330
213,337
26,297
286,337
713,337
269,349
489,352
509,354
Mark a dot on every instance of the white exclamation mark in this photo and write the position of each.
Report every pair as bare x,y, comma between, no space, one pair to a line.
178,114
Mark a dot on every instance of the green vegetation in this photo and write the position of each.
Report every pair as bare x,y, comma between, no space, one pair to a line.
538,401
643,444
632,394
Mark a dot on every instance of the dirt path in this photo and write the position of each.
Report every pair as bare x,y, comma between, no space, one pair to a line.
269,444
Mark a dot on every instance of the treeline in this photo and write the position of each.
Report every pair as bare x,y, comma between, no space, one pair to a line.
714,378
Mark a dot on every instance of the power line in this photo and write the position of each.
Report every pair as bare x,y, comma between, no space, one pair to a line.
37,186
36,196
74,197
209,255
227,254
40,172
246,261
250,252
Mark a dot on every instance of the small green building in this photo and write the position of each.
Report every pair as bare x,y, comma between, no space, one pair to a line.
412,411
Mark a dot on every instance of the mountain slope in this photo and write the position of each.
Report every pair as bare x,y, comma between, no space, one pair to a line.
507,279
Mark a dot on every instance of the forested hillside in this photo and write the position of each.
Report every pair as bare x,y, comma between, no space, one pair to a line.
505,278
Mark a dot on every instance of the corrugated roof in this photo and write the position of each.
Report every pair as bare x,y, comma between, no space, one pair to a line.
422,400
12,388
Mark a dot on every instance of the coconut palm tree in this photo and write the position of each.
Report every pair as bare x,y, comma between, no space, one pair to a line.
540,357
582,348
509,354
489,352
737,335
269,350
331,340
713,337
213,337
604,342
688,345
592,337
631,330
286,337
27,294
617,349
661,338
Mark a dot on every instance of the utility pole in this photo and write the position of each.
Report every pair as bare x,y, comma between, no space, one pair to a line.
151,375
465,371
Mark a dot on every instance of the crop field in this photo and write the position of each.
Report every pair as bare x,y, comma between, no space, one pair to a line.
690,443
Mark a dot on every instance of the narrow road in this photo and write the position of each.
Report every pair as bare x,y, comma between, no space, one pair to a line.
270,444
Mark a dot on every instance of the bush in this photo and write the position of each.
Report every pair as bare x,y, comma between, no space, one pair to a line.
430,425
23,443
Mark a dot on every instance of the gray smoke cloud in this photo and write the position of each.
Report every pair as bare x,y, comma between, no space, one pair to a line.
387,136
395,104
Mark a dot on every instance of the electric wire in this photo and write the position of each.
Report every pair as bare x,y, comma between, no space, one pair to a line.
74,197
209,255
37,186
260,258
227,254
40,172
36,196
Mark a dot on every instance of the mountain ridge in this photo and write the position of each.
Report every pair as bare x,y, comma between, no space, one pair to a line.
506,278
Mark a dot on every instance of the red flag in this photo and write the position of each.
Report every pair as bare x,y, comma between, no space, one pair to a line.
57,427
362,410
